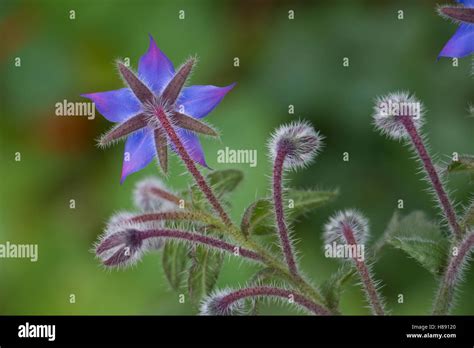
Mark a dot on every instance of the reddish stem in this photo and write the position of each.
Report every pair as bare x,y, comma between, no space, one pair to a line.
169,215
446,205
463,250
452,275
226,301
364,274
181,150
279,213
165,195
200,239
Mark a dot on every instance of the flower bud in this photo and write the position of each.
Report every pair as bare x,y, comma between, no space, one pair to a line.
124,219
151,195
216,304
120,248
299,143
390,110
352,219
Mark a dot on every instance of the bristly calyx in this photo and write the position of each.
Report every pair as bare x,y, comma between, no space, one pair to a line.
167,101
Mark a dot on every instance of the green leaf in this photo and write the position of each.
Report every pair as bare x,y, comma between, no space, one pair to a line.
203,273
198,200
307,200
260,218
225,181
175,257
297,203
464,164
422,240
332,288
383,240
245,223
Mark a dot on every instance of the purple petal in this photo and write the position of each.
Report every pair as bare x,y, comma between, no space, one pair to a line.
154,68
461,44
198,101
467,3
115,106
192,145
139,151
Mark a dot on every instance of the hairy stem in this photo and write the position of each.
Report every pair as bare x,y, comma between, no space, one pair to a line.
294,278
200,239
447,208
200,180
170,197
234,233
226,301
172,215
279,213
452,276
365,276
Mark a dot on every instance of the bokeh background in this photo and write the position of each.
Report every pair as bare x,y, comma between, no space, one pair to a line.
282,62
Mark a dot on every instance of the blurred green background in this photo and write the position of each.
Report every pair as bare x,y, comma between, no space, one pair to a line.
282,62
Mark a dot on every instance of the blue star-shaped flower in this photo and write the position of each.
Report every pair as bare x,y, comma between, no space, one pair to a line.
156,82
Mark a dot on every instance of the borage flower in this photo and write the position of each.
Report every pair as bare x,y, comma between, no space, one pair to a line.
462,42
156,83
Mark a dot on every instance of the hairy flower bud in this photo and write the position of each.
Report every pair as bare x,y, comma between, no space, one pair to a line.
350,228
390,110
118,218
151,195
120,248
122,244
334,229
298,142
400,117
232,302
124,220
216,304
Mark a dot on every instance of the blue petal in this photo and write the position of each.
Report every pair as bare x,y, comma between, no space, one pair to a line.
115,106
192,145
461,44
139,151
198,101
154,68
467,3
